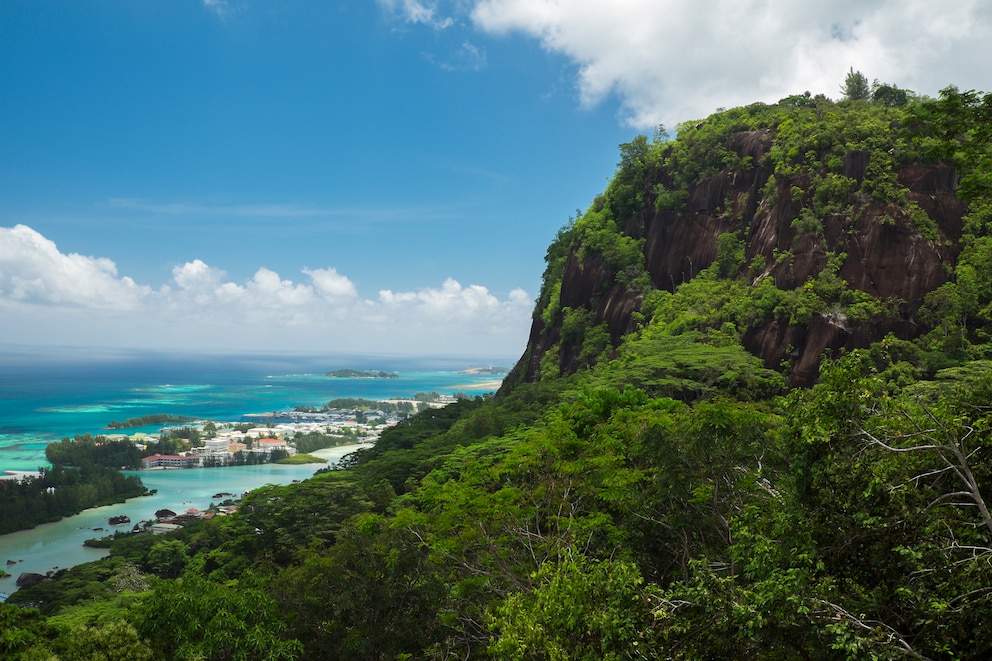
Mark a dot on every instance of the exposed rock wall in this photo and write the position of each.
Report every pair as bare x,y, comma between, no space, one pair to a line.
886,257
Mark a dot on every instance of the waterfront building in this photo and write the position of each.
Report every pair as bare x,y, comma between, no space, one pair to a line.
171,461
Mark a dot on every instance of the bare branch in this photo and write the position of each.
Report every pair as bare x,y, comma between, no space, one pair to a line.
912,448
971,593
875,627
954,494
954,458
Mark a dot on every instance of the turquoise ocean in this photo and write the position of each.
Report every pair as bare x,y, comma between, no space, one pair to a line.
46,396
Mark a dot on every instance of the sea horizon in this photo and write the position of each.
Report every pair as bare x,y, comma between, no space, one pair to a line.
48,393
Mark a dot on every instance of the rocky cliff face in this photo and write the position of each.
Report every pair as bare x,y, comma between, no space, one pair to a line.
888,254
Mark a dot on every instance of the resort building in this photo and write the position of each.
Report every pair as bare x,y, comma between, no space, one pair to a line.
170,461
269,444
216,445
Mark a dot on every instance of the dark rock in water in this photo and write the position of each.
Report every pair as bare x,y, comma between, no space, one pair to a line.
11,562
119,520
28,578
221,495
164,513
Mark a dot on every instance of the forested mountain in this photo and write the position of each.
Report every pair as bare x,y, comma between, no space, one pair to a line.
751,421
827,225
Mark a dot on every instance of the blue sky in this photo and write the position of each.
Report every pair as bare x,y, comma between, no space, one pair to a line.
378,176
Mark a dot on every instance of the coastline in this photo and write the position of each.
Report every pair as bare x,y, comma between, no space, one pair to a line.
59,545
493,384
64,400
44,401
18,475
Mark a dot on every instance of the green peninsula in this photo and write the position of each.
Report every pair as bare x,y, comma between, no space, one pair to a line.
154,419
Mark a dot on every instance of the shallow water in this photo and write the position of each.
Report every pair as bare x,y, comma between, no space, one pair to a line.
48,395
44,398
60,545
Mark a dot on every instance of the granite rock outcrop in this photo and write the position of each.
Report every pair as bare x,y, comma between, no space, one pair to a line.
885,253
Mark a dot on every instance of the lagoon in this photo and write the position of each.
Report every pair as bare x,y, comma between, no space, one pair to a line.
50,394
60,544
44,398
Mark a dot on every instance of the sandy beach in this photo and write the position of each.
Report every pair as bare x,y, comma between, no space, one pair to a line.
494,384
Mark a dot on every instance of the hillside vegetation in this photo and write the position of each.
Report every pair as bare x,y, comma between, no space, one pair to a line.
752,421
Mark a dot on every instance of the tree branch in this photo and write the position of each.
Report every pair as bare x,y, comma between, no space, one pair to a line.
875,627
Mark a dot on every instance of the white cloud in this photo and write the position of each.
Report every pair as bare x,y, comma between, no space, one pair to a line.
413,11
449,302
32,270
266,288
453,313
331,284
674,60
72,299
520,298
199,282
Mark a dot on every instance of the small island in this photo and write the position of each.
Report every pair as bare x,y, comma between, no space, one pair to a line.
145,420
362,374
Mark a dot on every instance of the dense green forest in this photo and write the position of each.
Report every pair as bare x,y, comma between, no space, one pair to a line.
154,419
89,450
360,403
84,474
652,483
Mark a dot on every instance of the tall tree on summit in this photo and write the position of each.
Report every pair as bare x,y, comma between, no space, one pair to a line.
856,86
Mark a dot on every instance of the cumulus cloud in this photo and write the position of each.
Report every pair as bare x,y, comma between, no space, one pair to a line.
331,284
202,308
267,288
452,301
451,313
33,270
198,281
673,60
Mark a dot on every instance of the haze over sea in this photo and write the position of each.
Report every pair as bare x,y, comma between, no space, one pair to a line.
45,396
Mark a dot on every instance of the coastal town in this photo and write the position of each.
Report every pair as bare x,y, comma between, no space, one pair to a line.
167,448
233,442
272,436
276,436
229,442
